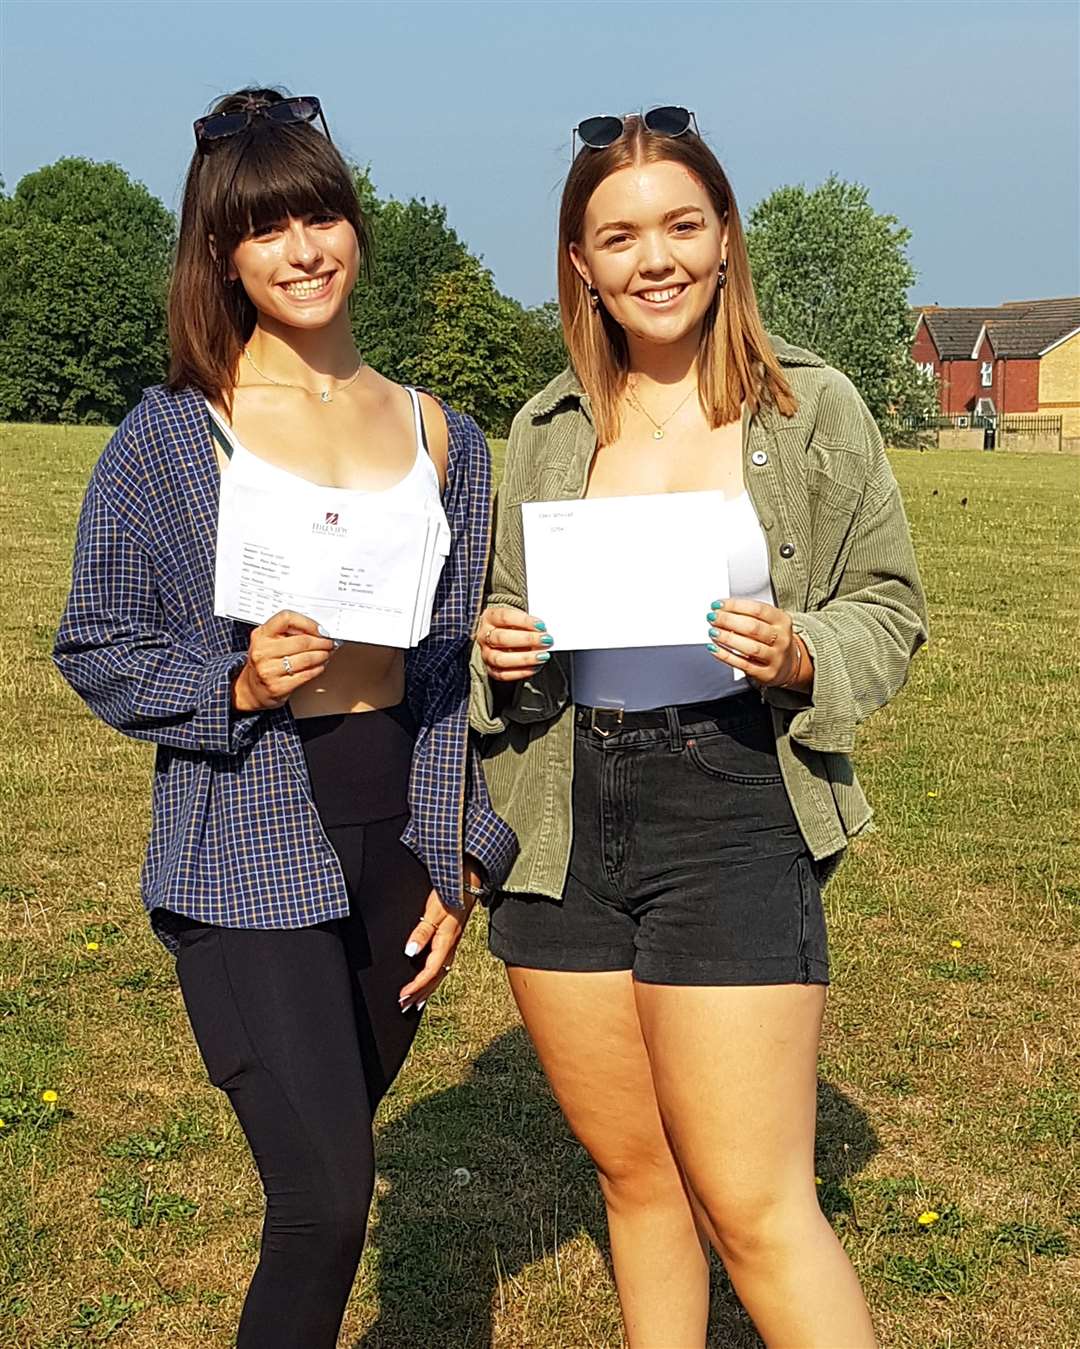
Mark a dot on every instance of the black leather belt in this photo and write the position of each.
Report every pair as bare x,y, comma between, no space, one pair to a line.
605,721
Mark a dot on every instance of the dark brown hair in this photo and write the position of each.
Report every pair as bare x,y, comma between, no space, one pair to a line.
265,173
736,362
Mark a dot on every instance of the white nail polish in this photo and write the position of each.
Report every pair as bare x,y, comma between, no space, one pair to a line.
421,1005
412,948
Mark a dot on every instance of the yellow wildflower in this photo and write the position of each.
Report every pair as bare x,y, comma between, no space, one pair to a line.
931,793
3,1123
928,1218
818,1180
49,1097
93,946
956,944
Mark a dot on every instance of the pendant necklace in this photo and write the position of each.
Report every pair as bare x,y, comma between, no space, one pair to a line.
658,427
325,395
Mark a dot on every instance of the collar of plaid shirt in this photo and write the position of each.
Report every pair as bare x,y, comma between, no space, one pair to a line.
235,839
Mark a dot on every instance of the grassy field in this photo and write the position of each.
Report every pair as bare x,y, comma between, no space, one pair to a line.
950,1082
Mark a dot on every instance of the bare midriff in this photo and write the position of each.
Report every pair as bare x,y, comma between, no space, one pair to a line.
358,678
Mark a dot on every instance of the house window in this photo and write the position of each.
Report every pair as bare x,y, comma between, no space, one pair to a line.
986,374
927,367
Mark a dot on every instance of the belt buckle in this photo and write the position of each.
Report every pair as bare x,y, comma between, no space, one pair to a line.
598,712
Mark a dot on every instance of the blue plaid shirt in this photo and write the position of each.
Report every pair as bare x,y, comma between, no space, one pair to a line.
235,839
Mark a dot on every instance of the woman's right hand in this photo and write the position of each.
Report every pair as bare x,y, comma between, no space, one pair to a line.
285,652
513,644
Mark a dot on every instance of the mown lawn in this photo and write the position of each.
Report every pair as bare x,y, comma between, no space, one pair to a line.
950,1082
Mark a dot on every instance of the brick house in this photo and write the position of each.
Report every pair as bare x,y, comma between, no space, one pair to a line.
1020,357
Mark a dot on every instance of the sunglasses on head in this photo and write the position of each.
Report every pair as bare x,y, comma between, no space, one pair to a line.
597,133
220,125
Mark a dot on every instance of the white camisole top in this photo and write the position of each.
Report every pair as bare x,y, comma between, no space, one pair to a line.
418,488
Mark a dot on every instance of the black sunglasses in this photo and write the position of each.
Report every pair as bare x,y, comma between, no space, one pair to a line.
597,133
219,125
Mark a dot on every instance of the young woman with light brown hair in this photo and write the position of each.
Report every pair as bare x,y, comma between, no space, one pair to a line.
662,925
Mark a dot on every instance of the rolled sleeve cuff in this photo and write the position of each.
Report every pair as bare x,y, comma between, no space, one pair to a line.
825,718
218,728
482,715
539,698
491,842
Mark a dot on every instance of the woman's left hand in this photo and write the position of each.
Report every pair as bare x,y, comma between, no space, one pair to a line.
439,931
758,639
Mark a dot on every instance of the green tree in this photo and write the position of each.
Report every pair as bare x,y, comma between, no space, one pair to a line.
542,346
412,246
473,354
832,274
83,266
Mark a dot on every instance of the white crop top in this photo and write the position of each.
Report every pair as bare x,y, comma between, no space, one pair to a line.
419,487
638,678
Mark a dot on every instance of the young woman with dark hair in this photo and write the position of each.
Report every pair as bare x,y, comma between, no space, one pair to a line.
678,808
311,799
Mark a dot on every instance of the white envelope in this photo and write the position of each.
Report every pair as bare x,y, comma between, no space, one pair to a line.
626,571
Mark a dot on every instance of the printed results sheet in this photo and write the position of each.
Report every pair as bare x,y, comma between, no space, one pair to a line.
364,573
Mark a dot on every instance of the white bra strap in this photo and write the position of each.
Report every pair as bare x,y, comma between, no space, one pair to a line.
418,419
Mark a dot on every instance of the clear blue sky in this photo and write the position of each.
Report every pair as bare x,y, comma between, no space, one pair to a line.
961,118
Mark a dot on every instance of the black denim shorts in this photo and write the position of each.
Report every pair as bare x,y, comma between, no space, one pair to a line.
687,865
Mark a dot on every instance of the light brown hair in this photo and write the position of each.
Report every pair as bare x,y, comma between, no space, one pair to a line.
736,362
262,175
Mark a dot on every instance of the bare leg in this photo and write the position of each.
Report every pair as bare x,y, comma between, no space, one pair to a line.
586,1032
735,1072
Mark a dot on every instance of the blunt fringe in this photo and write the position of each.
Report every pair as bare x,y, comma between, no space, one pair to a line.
736,362
234,186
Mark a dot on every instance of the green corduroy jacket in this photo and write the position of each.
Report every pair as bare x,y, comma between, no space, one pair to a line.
842,565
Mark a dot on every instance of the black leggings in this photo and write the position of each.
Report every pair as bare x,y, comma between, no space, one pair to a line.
302,1029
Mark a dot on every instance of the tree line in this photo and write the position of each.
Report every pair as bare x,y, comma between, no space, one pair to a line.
84,259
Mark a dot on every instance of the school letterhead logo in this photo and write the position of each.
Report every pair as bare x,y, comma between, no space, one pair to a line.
329,526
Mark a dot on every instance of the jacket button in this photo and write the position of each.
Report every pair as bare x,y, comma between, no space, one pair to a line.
787,550
759,457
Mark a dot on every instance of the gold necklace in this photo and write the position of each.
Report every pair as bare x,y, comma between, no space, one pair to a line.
658,432
325,395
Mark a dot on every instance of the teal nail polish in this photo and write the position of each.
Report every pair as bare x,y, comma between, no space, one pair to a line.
541,627
714,633
712,615
543,655
548,641
718,604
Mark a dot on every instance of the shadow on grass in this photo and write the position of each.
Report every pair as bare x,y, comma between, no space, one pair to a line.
447,1246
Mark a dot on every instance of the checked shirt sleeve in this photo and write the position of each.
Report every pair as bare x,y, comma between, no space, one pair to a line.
113,648
487,838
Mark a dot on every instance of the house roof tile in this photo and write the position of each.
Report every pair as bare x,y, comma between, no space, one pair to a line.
1019,329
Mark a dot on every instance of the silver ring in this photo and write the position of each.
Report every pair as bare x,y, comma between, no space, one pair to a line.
287,664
